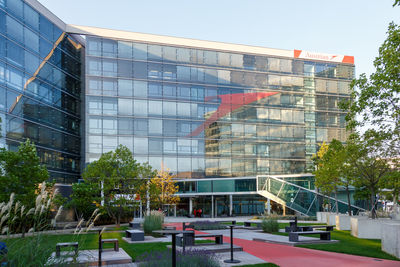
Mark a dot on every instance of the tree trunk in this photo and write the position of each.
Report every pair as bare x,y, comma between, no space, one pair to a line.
348,200
373,212
336,202
395,201
119,216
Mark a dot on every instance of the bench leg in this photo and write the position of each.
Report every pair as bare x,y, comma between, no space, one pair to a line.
293,238
116,247
58,251
218,240
76,250
326,236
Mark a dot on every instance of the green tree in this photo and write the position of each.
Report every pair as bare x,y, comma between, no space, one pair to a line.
368,169
147,190
165,189
392,181
117,175
84,199
21,173
377,99
330,169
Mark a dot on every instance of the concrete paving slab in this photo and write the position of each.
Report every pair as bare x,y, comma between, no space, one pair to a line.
214,248
244,257
259,235
90,258
148,239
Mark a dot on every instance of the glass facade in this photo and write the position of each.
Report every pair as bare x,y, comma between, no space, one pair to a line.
40,88
199,112
207,113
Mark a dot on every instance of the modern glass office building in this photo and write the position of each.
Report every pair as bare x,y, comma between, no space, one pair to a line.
216,115
40,86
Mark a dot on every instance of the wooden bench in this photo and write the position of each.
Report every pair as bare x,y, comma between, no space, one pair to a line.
135,235
66,244
229,221
218,237
113,241
169,227
307,228
249,223
323,235
326,227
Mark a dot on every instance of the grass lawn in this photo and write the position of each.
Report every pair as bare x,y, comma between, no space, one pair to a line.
86,241
349,244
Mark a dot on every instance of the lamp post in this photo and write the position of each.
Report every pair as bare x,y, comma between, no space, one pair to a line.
231,260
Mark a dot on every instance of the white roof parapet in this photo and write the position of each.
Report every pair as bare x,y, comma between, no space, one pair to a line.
177,41
212,45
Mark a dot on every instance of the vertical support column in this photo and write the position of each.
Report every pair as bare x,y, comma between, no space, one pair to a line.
140,209
174,210
230,204
148,198
284,210
190,206
212,206
268,206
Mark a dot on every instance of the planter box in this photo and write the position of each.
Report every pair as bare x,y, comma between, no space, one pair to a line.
391,238
331,219
321,216
363,227
343,222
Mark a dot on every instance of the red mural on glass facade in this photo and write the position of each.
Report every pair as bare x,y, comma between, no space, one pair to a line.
230,103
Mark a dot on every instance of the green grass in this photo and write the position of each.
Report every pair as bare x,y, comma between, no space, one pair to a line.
351,245
90,241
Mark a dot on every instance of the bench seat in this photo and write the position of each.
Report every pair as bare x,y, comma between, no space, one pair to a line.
66,244
248,224
111,240
135,235
218,237
323,235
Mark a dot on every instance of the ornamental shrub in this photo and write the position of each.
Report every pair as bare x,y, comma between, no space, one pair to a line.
270,225
153,222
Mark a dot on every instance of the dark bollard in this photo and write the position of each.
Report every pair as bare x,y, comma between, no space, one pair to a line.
231,260
100,248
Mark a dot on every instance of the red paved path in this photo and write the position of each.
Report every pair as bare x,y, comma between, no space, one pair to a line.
288,256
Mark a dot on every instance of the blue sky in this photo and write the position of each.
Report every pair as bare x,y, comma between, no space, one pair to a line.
350,27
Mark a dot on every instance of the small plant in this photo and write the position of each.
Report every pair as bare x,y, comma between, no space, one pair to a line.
33,249
269,225
153,222
190,258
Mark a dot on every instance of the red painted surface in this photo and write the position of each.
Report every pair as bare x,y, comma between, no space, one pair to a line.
288,256
229,103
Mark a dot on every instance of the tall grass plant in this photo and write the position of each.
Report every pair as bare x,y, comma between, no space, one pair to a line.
153,222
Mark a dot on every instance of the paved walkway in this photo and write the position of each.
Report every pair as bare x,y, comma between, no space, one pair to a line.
288,256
